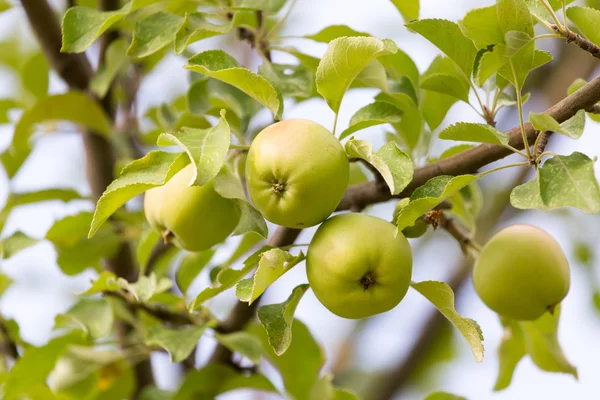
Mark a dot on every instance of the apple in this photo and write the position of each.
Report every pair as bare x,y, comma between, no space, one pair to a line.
297,173
194,218
521,273
357,266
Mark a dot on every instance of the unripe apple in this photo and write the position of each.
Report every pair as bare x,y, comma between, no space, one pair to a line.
297,173
357,267
194,218
521,273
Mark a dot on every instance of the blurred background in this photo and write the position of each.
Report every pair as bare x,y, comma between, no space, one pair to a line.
357,352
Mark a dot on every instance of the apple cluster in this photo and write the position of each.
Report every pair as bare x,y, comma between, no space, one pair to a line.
357,265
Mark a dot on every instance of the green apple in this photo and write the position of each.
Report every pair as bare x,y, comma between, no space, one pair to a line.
297,173
521,273
357,266
194,218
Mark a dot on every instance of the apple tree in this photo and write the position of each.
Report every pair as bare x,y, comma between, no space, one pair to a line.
222,169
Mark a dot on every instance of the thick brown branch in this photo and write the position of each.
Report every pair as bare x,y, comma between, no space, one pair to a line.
579,40
469,161
595,109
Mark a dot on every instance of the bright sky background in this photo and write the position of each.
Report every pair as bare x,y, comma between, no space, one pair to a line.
41,290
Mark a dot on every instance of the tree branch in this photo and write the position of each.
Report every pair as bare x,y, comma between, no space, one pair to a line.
595,109
580,41
469,161
7,345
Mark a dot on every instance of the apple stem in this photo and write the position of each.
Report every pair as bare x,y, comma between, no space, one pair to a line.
167,235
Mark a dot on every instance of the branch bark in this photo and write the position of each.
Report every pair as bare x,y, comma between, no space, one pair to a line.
579,40
469,161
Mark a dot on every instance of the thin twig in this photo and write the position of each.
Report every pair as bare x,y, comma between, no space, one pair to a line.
158,311
7,346
579,40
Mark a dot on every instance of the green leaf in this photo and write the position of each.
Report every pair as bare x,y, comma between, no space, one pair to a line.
343,60
248,242
35,75
92,316
178,342
394,165
586,19
243,343
454,150
4,5
514,15
299,366
332,32
215,379
573,127
372,76
86,371
75,251
536,7
570,181
291,80
432,193
219,65
541,343
442,297
434,105
408,8
191,265
481,26
229,186
399,65
373,114
444,396
323,389
152,170
196,27
30,371
510,351
578,186
447,36
272,265
15,243
81,26
277,320
145,287
527,196
472,132
206,148
504,100
5,283
447,84
251,5
226,279
106,281
153,33
114,62
72,106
